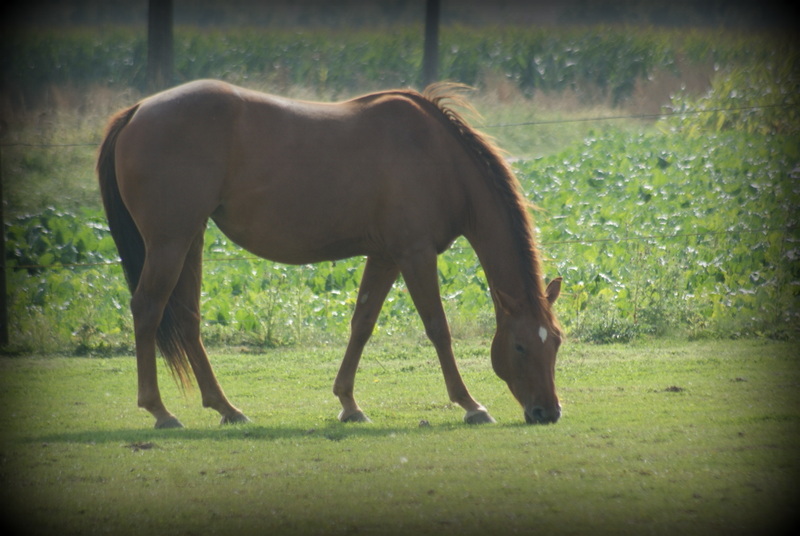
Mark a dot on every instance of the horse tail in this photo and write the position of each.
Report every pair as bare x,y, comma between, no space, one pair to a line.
130,246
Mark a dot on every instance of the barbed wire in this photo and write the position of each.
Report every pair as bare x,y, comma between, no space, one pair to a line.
499,125
49,145
640,116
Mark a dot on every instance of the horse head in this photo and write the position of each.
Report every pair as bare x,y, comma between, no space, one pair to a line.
524,355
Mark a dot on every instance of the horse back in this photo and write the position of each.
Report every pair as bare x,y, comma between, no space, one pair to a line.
301,181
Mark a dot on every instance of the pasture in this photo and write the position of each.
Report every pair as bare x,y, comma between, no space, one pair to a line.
657,438
676,237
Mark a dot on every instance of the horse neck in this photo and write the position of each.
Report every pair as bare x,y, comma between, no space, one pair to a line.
508,261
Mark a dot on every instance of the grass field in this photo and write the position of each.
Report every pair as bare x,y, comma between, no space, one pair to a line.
656,438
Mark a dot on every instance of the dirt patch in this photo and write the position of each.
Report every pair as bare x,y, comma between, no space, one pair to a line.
652,94
141,445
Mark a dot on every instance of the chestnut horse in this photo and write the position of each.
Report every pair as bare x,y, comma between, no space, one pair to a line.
395,176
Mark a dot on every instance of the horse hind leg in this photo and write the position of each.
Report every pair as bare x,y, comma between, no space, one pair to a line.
185,308
160,273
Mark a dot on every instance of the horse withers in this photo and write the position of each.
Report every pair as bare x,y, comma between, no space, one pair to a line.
395,176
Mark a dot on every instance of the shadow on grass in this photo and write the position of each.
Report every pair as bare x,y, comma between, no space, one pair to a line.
331,431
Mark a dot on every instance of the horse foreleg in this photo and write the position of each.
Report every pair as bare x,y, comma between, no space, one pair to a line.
375,285
421,277
186,300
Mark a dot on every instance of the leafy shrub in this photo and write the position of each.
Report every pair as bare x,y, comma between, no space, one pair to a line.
52,237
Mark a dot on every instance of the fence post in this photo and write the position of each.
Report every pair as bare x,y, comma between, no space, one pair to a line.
430,58
159,44
4,340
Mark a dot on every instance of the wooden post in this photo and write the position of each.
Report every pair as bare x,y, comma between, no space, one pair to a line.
4,340
430,58
159,44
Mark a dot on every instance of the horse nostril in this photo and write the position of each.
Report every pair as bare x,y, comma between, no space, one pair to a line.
539,415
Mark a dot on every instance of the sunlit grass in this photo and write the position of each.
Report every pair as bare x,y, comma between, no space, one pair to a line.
695,438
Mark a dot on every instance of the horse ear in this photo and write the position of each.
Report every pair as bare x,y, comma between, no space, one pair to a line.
508,304
553,290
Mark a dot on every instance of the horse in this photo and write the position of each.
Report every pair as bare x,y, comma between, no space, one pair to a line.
394,176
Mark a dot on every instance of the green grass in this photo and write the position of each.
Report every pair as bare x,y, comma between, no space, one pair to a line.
693,438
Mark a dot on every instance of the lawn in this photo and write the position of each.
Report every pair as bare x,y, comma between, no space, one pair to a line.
657,437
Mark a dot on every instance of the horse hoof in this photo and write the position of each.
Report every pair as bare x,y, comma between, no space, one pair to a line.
478,417
237,418
169,422
358,416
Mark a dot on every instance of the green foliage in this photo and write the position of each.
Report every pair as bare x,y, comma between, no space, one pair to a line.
78,309
52,237
657,233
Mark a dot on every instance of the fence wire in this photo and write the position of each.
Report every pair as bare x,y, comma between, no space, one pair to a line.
655,116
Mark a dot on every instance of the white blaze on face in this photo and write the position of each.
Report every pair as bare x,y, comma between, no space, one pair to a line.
542,334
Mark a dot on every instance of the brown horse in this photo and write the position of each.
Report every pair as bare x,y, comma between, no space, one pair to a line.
395,176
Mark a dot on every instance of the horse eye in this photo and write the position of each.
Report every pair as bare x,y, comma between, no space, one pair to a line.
519,349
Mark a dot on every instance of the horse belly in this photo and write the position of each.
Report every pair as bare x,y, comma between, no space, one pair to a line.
335,186
293,236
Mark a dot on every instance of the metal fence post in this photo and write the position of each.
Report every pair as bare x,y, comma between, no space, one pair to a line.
159,45
4,338
430,58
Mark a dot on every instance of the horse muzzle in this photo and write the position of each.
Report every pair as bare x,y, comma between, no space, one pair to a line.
535,414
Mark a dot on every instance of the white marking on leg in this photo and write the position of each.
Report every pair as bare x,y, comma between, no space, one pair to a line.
542,334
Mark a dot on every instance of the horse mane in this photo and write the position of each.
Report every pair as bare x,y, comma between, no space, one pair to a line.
445,96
